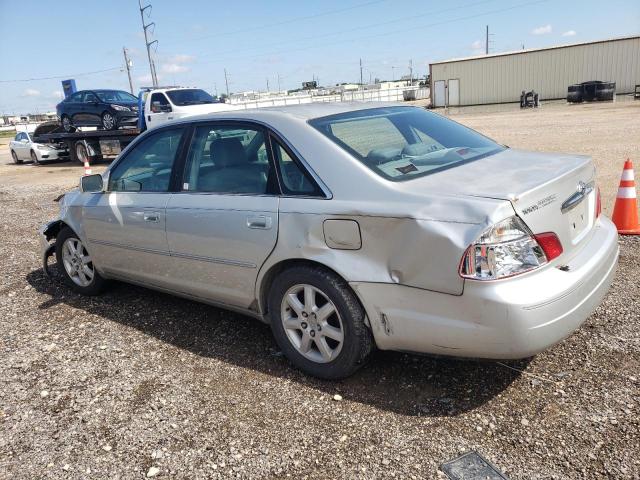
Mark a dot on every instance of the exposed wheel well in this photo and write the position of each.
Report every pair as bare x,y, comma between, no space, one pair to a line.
279,267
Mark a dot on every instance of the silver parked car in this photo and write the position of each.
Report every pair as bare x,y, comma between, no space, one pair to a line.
349,226
23,147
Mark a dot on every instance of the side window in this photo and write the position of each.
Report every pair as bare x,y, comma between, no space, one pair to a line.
162,100
90,97
76,97
228,160
295,181
147,168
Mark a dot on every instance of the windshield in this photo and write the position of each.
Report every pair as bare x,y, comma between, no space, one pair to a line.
114,96
190,96
400,143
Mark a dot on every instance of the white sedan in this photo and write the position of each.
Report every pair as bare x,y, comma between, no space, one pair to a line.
23,148
348,226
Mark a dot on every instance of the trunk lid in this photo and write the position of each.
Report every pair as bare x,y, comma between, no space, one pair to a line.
549,192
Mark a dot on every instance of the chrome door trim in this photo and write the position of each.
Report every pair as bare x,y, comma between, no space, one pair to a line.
584,189
128,247
223,261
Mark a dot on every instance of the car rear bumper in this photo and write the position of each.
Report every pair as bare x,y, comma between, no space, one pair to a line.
511,318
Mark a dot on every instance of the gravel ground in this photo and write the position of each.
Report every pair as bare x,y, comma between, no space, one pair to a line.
135,383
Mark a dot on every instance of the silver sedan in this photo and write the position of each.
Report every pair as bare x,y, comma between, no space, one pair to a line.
349,227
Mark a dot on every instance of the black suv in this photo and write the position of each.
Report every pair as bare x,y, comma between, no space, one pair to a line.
108,109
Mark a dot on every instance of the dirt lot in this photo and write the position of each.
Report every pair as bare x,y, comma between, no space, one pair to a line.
135,382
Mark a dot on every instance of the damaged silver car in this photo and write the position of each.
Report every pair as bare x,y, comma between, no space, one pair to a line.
348,227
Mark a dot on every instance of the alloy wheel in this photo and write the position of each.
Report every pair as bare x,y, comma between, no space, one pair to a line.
108,121
312,323
77,262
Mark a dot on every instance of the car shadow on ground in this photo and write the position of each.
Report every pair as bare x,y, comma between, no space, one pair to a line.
403,383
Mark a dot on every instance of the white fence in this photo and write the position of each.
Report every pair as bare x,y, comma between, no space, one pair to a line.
373,95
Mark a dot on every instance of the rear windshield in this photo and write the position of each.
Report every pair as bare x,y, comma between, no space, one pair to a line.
190,96
400,143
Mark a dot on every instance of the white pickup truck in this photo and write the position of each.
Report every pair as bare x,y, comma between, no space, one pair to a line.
164,104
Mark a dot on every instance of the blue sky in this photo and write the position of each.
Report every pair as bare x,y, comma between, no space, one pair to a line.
260,40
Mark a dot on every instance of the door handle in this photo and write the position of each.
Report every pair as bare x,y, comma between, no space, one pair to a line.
151,217
259,221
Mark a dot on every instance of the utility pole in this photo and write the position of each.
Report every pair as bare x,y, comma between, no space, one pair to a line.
486,43
226,81
128,63
411,72
360,71
267,84
279,90
393,73
145,27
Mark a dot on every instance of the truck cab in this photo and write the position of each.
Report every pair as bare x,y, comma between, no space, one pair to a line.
164,104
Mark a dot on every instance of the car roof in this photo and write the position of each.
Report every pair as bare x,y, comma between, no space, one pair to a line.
306,111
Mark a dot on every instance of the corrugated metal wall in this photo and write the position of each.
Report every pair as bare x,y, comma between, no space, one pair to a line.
549,72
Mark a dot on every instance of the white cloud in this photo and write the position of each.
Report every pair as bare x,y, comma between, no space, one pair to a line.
477,45
545,29
181,58
30,92
174,68
56,94
569,33
146,79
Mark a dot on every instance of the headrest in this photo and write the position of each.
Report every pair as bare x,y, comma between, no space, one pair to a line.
227,152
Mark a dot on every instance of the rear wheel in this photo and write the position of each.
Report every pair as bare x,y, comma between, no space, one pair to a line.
318,322
34,158
81,152
15,158
109,121
76,264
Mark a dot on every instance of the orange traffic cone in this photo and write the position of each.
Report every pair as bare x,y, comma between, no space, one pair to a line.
625,211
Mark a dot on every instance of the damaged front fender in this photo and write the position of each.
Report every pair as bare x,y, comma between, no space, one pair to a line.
48,234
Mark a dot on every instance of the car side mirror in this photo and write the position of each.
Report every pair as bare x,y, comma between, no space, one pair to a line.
157,107
92,183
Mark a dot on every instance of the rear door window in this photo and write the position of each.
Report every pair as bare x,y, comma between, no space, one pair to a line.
229,159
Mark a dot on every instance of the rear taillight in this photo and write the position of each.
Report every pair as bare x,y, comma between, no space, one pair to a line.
550,244
506,249
598,202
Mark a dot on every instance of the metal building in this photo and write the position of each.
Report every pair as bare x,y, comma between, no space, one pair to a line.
501,77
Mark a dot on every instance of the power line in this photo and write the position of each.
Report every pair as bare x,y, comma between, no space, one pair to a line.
60,76
362,27
377,35
284,22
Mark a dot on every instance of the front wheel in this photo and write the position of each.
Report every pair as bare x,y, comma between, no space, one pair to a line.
76,264
109,121
34,158
318,322
15,158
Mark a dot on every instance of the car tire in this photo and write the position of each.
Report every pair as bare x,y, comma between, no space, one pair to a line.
71,255
34,158
312,342
15,158
67,126
109,121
